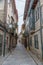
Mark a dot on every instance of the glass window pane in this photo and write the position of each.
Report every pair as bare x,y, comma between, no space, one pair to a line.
31,41
36,41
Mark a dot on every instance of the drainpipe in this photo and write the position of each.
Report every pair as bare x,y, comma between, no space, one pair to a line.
41,28
4,43
27,44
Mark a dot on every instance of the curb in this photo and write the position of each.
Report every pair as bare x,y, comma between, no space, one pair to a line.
6,58
31,57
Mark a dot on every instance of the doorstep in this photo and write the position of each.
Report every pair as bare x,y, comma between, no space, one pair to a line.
36,60
2,59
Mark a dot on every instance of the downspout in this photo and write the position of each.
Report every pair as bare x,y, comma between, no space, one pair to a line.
41,28
4,43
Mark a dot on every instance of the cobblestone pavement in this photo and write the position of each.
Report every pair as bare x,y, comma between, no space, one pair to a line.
2,59
19,57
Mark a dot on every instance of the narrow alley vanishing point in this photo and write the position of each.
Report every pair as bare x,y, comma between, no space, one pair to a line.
30,36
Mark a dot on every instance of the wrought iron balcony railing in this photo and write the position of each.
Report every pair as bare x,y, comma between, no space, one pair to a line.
41,16
31,3
32,22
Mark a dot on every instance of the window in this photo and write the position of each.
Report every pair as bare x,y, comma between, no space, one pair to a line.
31,41
41,8
30,21
37,14
36,41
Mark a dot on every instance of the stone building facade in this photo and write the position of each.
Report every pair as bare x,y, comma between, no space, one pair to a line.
7,13
34,17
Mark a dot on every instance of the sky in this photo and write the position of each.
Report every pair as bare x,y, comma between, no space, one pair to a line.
20,5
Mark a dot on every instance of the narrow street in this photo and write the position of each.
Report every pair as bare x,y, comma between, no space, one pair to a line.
21,32
19,57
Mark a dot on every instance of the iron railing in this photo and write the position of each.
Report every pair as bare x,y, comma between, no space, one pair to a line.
41,8
32,21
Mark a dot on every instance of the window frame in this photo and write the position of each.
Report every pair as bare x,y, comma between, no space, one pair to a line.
37,13
30,41
36,43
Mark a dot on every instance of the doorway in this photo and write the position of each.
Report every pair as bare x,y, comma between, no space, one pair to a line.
1,41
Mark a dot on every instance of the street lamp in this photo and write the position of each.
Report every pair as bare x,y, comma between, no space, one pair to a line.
10,26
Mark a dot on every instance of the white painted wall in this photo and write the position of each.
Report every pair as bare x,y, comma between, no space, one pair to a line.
2,9
2,4
37,25
1,15
9,12
41,2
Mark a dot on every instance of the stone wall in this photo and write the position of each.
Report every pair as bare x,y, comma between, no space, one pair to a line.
37,52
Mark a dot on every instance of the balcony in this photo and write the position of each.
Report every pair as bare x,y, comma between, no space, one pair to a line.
32,22
32,5
41,8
